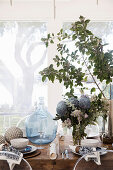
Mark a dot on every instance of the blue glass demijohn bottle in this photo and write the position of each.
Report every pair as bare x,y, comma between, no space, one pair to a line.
40,126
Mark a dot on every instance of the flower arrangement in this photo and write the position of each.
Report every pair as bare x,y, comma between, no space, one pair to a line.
79,114
88,53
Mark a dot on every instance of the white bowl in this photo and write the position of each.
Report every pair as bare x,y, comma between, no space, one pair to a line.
19,143
90,142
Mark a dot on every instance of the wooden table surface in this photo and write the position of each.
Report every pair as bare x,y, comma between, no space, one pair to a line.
43,162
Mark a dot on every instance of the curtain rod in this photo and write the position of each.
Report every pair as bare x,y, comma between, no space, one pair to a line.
54,8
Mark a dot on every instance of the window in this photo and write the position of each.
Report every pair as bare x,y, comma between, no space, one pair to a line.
22,56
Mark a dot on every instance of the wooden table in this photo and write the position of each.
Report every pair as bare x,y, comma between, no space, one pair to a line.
43,162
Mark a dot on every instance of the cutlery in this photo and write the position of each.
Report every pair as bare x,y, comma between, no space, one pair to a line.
66,153
62,155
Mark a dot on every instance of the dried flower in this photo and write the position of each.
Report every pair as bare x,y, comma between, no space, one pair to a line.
78,114
67,123
85,116
93,98
106,104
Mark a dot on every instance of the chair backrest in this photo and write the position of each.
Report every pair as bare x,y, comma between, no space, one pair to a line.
21,125
106,164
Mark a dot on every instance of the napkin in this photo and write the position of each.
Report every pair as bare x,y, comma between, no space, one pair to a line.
94,156
82,149
11,155
11,158
53,153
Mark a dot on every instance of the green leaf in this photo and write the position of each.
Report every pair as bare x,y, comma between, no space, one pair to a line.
82,63
87,21
43,78
74,36
52,78
78,62
82,91
108,81
89,32
47,44
100,95
87,53
61,31
51,66
93,90
59,38
58,64
85,79
81,18
89,67
51,41
48,36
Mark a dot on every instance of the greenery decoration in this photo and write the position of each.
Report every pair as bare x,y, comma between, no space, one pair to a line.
89,52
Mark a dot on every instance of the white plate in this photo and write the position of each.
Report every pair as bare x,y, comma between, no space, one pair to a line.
33,149
102,151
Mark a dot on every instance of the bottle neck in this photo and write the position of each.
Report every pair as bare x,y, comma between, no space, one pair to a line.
41,105
41,100
41,110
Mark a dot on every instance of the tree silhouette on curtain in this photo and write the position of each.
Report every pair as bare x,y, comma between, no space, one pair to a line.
27,39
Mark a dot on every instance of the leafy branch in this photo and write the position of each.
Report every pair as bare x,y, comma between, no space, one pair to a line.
87,46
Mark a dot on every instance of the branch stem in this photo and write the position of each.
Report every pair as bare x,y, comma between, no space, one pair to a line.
93,77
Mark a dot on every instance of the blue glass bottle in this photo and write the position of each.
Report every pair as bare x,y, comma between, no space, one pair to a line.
40,126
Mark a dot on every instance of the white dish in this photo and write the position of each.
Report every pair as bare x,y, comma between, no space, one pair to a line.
103,150
19,143
33,149
90,142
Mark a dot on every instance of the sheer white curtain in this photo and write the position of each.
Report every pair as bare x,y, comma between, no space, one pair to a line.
22,56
